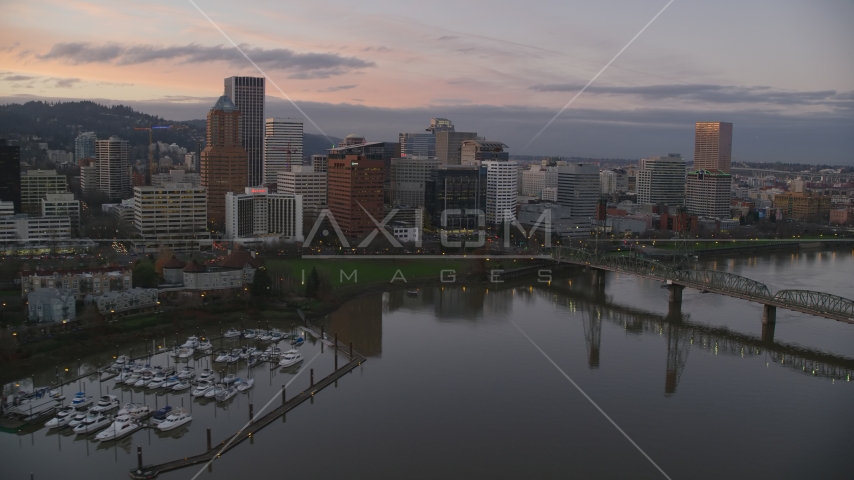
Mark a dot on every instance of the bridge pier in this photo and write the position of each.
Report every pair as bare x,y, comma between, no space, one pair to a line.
675,293
768,333
674,312
598,277
769,315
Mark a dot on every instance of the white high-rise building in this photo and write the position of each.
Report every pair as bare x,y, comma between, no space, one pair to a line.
662,180
84,146
537,179
303,180
172,215
113,168
62,205
613,181
248,94
282,146
36,184
501,184
257,216
578,188
176,176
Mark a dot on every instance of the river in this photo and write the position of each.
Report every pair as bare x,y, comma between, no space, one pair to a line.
526,380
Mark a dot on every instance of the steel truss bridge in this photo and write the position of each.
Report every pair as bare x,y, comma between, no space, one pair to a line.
681,335
814,303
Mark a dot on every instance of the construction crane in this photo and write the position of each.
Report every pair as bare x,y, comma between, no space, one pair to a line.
151,129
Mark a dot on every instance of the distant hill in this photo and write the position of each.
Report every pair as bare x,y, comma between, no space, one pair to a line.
58,123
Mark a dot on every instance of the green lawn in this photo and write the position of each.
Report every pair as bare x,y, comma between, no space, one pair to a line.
367,270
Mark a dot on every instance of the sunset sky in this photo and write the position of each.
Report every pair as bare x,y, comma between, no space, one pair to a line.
781,71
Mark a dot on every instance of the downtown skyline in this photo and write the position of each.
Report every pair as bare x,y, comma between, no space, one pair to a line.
790,90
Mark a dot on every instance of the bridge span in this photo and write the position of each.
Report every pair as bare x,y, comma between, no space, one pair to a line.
805,301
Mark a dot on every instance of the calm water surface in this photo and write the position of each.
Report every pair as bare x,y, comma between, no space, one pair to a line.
452,389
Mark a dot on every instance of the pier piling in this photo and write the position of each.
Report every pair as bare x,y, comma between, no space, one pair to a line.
139,457
283,394
209,439
250,412
312,377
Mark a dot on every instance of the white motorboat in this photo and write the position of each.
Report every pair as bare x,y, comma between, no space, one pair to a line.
253,360
80,400
231,333
134,410
124,375
105,404
202,388
277,337
145,379
216,390
223,356
170,383
192,342
122,426
93,422
78,418
63,416
291,357
232,359
249,333
133,378
157,381
265,336
229,379
187,372
207,375
226,394
121,361
175,420
205,346
182,385
246,385
141,368
185,352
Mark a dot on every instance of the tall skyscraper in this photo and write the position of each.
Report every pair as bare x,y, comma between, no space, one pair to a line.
282,146
223,161
355,182
662,180
451,191
707,193
713,146
84,146
408,178
247,94
578,188
114,171
10,174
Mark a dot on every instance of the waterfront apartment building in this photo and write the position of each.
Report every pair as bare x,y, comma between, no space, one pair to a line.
79,282
248,95
408,179
707,193
84,146
578,188
35,185
662,180
303,180
114,170
10,174
173,215
475,152
355,191
282,146
320,163
223,161
713,146
62,205
804,206
501,184
258,216
449,144
454,196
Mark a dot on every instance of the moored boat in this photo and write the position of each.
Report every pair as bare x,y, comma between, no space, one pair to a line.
175,420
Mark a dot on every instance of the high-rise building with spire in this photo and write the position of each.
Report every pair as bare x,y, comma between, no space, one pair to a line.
223,161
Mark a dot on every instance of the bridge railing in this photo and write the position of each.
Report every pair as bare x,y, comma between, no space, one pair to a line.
817,301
